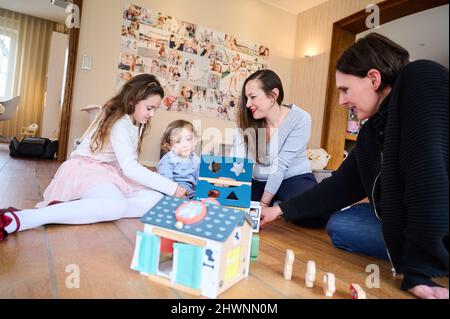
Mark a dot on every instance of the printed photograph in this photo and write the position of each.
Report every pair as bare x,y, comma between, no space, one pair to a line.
195,69
202,70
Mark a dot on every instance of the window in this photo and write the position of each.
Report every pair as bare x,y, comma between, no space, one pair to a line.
8,44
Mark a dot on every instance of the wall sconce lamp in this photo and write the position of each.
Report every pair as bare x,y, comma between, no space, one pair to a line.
310,53
60,3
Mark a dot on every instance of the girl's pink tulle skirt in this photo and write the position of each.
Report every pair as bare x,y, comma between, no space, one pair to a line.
77,175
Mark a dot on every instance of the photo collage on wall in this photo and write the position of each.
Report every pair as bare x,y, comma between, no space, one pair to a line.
201,70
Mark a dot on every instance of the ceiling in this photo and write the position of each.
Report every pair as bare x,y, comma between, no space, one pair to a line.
294,6
43,9
38,8
424,34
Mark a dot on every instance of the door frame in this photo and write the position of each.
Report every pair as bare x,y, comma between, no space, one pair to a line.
66,110
343,35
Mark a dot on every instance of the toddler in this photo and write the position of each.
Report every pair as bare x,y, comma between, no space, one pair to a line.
180,164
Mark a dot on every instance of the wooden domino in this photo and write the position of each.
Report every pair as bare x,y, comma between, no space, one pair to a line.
329,286
310,275
289,261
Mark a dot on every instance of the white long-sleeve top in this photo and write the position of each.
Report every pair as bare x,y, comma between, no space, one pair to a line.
121,151
285,153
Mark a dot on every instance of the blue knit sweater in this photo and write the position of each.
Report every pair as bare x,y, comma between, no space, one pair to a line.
406,143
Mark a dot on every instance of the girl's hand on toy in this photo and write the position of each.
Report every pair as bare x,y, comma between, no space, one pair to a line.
181,192
269,214
426,292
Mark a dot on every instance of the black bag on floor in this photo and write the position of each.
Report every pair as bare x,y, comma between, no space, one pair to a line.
35,147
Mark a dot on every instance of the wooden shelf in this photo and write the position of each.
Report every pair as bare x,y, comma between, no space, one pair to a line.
351,137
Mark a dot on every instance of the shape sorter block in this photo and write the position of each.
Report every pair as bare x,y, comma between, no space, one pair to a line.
227,179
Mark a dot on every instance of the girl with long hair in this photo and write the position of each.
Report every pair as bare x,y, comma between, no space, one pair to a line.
103,180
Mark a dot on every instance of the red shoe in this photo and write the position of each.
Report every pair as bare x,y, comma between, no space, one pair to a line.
54,202
6,220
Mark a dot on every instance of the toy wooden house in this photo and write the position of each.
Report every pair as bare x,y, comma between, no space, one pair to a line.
197,247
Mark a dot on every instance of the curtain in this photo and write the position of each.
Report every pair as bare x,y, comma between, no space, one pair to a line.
33,43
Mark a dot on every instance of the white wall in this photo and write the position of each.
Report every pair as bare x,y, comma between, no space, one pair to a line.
313,37
424,34
250,20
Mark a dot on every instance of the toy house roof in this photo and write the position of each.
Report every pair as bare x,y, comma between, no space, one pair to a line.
217,225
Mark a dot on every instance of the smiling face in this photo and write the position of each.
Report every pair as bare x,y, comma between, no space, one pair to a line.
145,109
258,103
182,142
358,93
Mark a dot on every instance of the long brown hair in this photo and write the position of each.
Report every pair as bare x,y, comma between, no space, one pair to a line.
132,92
374,51
268,80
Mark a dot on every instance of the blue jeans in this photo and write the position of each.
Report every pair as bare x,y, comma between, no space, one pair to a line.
357,230
291,187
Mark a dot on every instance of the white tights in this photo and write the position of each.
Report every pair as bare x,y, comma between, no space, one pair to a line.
104,202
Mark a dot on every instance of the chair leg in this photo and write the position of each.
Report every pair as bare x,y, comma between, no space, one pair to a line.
4,139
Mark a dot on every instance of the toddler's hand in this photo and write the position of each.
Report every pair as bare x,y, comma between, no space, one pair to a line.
181,192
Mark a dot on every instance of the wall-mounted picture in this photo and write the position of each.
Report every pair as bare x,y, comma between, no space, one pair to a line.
202,70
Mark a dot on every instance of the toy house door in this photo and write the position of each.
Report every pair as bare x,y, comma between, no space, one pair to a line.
188,262
146,259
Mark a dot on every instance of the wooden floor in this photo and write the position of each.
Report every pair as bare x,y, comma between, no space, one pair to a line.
33,263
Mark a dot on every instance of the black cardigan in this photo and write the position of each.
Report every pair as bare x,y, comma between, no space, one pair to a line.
408,139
